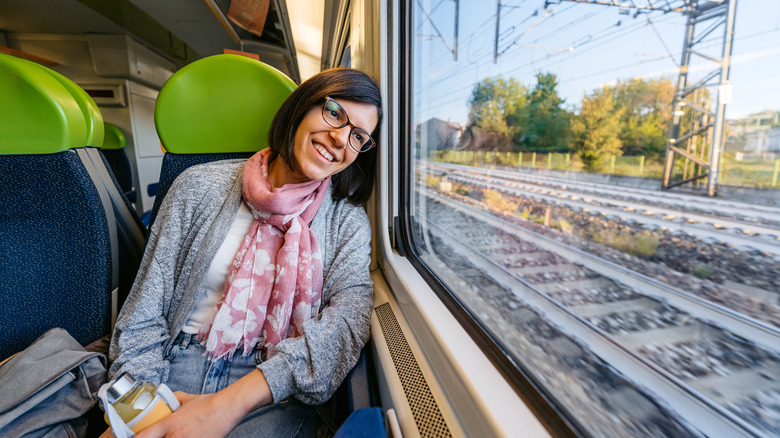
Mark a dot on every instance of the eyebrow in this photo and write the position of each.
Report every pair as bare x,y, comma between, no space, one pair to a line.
350,119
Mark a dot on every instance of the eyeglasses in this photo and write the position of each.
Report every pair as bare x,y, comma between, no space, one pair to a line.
335,116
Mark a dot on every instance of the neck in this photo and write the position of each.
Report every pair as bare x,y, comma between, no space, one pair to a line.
278,174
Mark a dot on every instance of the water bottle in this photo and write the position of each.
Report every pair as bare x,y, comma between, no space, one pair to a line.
132,405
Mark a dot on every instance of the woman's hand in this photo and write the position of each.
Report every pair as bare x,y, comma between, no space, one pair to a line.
199,415
212,415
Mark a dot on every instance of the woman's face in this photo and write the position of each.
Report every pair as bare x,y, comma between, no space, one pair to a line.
321,150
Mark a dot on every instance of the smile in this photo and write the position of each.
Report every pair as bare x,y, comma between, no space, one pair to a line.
324,152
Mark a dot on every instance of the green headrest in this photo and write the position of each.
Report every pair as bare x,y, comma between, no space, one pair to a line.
89,108
220,104
38,114
114,137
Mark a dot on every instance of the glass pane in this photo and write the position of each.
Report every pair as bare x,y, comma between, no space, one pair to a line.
541,138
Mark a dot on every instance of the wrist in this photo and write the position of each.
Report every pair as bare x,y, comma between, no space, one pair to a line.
245,395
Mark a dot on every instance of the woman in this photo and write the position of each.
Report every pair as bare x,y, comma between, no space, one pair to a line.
254,295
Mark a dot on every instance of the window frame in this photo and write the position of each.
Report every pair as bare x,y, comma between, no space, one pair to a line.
553,415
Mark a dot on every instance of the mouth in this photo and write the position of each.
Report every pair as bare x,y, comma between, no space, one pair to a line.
324,152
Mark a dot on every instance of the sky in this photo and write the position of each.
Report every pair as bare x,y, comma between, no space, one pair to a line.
587,46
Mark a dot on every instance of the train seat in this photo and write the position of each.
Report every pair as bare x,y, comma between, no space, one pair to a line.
130,231
113,149
216,108
55,235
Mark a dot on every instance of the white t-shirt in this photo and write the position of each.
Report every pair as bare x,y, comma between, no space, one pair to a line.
214,287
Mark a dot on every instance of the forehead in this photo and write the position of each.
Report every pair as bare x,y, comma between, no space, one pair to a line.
362,115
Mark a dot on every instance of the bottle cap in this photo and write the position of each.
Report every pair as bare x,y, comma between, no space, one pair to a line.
121,386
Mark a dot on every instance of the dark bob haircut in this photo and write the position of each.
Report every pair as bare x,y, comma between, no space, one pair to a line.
356,181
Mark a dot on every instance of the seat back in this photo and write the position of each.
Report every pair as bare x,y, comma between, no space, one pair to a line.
128,245
55,238
113,149
216,108
93,120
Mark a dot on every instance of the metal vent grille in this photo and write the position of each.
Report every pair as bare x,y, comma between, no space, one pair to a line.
426,412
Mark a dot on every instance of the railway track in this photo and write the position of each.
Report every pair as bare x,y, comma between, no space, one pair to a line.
746,212
648,210
721,370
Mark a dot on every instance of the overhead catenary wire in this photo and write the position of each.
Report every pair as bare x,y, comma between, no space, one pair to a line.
434,26
615,35
450,98
443,74
490,19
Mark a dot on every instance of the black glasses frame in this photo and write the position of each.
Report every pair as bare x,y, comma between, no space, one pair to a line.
359,148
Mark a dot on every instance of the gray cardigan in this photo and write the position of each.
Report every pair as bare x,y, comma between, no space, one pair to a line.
191,225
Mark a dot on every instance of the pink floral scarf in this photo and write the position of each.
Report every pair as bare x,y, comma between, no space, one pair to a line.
274,284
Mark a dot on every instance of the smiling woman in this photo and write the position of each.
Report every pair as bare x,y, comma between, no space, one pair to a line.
302,115
279,282
320,148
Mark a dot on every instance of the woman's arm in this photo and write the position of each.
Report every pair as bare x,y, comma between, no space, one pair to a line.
141,329
213,415
313,365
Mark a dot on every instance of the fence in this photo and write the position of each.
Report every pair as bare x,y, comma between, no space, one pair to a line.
750,173
755,173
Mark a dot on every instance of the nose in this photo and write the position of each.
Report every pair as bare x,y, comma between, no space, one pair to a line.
341,135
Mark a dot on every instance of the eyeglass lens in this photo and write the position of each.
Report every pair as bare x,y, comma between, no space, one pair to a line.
335,116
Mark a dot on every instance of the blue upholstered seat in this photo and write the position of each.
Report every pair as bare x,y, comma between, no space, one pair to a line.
126,227
363,423
55,238
113,149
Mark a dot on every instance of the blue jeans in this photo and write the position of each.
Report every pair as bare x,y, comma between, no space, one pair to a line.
193,373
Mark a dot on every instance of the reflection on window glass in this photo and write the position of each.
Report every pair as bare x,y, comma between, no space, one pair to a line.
544,132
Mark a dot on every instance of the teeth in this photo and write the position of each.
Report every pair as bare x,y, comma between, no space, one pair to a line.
323,151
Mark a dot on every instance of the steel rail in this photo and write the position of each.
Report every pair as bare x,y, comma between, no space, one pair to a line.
705,415
691,226
763,212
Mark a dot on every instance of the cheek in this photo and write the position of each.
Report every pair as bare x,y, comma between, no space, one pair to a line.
350,158
298,139
299,145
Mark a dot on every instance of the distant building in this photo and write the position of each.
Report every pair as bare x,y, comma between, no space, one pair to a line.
755,136
437,134
763,141
753,123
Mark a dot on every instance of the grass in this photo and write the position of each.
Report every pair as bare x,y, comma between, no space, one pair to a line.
703,271
639,244
497,201
432,181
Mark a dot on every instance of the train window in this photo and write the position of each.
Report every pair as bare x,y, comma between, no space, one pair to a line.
541,134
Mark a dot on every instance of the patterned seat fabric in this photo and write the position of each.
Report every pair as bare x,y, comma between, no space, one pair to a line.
55,238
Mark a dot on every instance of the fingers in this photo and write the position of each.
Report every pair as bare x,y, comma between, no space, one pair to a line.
108,434
183,397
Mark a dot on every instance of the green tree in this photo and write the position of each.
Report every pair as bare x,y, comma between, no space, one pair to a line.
494,105
595,131
544,123
647,107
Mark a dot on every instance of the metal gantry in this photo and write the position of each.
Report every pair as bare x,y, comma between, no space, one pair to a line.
696,131
697,127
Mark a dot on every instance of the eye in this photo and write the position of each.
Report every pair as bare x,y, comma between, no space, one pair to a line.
359,137
333,113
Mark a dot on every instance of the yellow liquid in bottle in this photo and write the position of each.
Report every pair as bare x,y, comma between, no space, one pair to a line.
133,402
